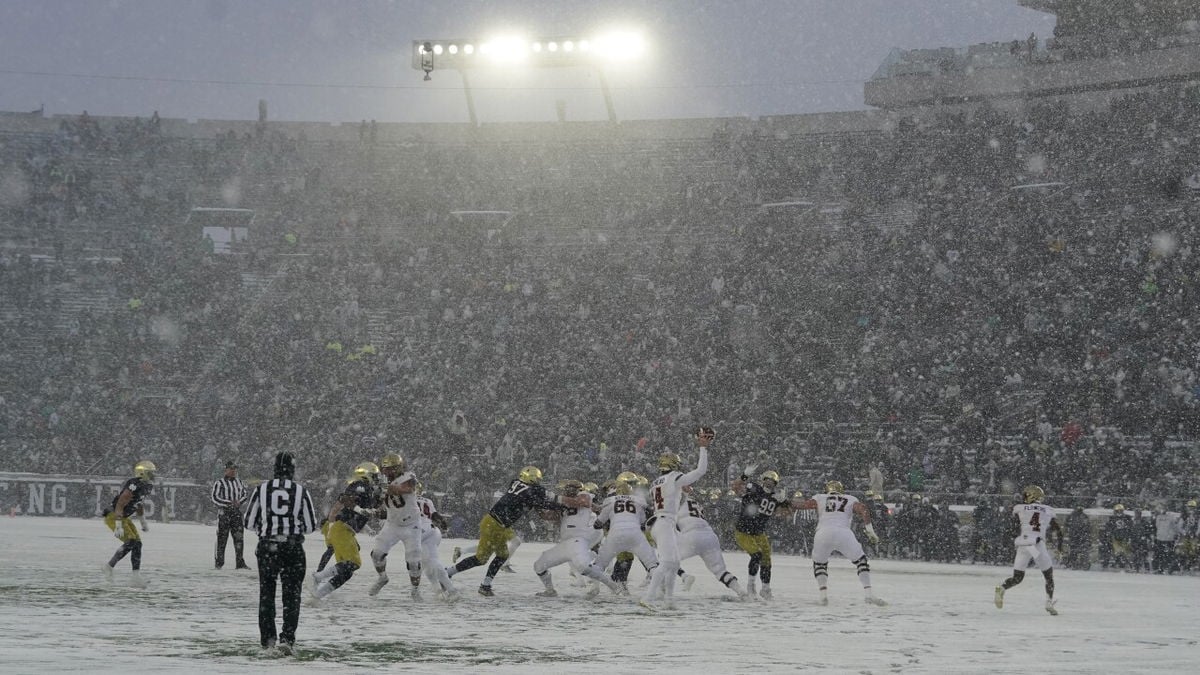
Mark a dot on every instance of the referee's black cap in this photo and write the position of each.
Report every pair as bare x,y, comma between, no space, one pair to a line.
285,465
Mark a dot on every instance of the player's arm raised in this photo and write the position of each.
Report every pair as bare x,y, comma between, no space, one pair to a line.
704,436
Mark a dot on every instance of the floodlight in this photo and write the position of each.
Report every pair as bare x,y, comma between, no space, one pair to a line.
437,49
585,46
507,49
453,49
620,46
568,46
468,49
537,47
553,46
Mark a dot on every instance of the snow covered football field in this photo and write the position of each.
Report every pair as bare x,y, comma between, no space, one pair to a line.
58,614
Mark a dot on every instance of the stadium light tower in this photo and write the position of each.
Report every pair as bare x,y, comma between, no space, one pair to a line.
573,51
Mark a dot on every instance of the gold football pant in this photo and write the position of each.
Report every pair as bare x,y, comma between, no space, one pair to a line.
340,538
131,532
755,544
493,539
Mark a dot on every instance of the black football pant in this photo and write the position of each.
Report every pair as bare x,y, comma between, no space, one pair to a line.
229,523
285,561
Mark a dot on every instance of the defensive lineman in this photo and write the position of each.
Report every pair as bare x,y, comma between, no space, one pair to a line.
348,515
576,537
759,503
666,495
403,524
280,511
835,511
1036,521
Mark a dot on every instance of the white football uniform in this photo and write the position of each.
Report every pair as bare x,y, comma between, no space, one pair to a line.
402,525
431,538
576,537
1031,542
834,515
625,516
666,496
696,538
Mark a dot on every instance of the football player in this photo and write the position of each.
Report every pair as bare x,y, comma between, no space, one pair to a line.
1034,522
402,524
524,494
624,514
117,517
432,525
697,538
835,510
348,515
759,503
666,495
576,537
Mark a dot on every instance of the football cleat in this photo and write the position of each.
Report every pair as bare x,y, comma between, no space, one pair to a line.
486,591
1050,608
378,585
999,597
688,581
548,593
879,602
108,571
285,649
765,593
590,593
415,594
456,554
824,599
507,567
646,606
137,581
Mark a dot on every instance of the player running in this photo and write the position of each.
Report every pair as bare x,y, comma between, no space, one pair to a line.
403,524
348,515
1035,521
835,511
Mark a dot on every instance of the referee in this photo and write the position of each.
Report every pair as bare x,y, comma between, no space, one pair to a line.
281,512
228,493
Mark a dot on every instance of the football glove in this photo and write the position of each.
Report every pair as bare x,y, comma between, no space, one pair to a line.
871,536
119,530
142,520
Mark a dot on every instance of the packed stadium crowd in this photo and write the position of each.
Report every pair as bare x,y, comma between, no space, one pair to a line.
996,299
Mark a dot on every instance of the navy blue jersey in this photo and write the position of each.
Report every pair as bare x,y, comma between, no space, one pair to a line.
519,500
140,490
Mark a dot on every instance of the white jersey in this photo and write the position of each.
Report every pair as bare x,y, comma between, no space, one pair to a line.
426,508
666,492
623,512
1035,522
691,516
576,523
834,511
402,510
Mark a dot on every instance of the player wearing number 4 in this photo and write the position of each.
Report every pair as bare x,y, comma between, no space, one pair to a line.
1036,521
835,511
403,524
666,496
759,503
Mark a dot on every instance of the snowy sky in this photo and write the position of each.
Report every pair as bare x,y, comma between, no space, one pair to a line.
751,57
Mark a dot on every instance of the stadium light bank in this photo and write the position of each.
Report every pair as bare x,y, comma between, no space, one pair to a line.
510,51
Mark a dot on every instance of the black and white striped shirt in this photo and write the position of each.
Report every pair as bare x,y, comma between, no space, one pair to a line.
280,507
227,491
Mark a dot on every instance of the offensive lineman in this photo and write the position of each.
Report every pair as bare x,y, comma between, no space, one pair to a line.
1035,521
835,511
576,537
697,538
117,517
666,495
403,524
624,513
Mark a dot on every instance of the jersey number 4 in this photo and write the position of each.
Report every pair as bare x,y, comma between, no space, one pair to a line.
1035,522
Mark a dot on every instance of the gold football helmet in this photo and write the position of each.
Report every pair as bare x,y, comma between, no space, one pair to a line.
1032,494
392,461
145,470
798,494
627,477
835,487
620,487
1119,508
570,487
531,475
590,487
669,461
366,470
772,476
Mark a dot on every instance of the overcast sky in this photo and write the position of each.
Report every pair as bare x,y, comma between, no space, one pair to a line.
733,57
